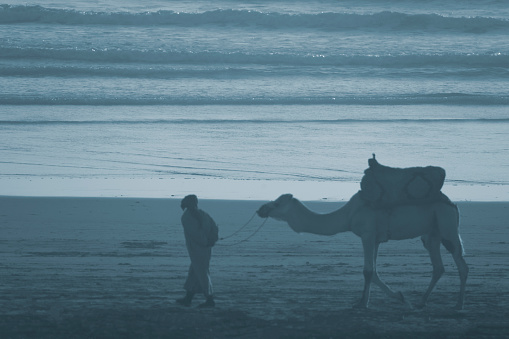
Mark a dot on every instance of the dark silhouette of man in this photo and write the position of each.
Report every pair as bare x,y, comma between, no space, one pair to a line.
201,233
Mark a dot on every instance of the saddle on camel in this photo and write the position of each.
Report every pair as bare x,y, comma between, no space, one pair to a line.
386,187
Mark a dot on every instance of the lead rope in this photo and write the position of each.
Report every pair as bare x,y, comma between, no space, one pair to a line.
240,229
244,226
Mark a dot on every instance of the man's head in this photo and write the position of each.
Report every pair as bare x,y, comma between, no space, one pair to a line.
190,201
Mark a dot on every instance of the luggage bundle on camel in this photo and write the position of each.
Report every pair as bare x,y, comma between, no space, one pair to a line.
385,187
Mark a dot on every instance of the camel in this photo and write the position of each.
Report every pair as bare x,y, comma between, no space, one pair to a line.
435,222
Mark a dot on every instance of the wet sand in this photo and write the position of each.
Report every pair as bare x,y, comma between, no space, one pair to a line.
112,268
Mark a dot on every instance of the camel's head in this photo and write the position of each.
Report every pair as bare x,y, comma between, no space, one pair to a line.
276,209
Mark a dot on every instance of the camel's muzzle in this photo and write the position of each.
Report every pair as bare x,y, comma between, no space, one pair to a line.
263,212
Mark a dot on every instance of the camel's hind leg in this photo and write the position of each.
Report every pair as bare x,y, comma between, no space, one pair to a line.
457,254
448,226
432,244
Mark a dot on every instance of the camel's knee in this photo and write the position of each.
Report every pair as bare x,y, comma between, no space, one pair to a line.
463,268
368,274
438,271
375,278
460,260
464,274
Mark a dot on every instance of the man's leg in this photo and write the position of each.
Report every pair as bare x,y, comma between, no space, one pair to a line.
190,286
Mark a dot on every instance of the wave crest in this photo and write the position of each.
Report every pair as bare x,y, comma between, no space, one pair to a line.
10,14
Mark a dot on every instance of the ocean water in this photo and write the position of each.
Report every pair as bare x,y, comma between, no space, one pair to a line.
254,90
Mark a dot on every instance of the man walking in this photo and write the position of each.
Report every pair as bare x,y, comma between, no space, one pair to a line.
201,233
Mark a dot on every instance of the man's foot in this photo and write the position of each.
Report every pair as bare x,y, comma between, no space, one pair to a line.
209,303
184,302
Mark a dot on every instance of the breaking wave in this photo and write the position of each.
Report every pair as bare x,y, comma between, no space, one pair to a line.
328,21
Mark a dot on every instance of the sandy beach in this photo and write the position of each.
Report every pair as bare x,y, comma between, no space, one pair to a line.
112,268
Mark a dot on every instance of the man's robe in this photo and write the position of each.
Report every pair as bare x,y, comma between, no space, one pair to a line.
198,278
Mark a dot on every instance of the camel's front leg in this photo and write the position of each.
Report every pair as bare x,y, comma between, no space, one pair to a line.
376,279
369,246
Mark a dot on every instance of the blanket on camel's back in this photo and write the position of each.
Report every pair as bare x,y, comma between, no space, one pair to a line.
383,186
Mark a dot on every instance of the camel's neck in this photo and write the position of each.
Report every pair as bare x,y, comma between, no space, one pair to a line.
301,219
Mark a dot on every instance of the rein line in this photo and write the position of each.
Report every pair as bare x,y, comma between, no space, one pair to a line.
240,229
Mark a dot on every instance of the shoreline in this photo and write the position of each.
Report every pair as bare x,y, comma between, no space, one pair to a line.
217,189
